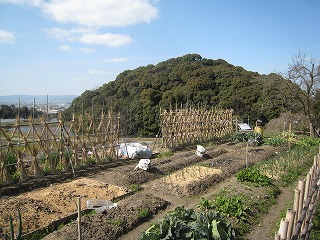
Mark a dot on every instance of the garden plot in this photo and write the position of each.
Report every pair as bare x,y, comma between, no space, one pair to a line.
40,207
184,180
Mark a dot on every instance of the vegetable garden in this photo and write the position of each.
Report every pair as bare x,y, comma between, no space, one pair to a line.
200,195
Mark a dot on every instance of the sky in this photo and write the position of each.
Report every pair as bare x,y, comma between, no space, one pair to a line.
65,47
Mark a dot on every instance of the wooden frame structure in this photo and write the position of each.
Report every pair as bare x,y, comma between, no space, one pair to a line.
190,125
39,146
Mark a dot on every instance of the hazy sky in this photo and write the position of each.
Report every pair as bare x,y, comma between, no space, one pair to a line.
58,47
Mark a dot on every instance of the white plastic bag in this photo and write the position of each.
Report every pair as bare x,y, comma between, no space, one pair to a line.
200,151
143,164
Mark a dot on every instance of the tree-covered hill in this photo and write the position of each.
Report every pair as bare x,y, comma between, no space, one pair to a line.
140,93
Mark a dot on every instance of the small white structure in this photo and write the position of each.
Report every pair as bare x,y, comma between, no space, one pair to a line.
244,127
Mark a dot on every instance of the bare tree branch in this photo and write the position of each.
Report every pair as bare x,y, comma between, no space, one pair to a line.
305,72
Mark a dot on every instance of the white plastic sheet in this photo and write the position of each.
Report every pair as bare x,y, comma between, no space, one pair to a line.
100,205
134,150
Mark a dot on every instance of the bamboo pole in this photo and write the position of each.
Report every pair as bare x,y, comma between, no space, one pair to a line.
303,214
79,219
290,217
301,187
277,236
308,181
289,136
283,229
247,154
296,205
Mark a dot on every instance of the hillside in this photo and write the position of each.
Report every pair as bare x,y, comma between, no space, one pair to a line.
139,94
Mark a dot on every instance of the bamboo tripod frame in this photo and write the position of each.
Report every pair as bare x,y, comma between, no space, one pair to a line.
39,145
189,125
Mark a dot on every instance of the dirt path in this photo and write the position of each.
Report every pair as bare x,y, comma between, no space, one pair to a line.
267,227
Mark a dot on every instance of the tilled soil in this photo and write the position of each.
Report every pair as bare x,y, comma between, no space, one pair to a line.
114,222
40,207
164,187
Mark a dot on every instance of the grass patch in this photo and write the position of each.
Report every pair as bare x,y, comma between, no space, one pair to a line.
165,154
135,187
116,222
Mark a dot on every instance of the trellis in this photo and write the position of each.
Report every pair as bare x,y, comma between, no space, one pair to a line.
189,125
40,146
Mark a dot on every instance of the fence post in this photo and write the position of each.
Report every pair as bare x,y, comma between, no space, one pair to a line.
290,217
308,181
301,187
283,229
296,205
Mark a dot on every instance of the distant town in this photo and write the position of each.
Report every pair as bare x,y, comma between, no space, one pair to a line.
50,104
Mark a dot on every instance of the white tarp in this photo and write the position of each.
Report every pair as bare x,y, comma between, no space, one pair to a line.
134,150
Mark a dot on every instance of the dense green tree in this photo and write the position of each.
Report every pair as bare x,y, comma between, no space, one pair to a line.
139,94
7,111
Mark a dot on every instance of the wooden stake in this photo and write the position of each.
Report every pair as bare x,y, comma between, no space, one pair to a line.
79,219
247,154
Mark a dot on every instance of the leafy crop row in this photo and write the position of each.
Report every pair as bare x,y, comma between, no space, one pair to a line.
254,176
184,223
247,136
